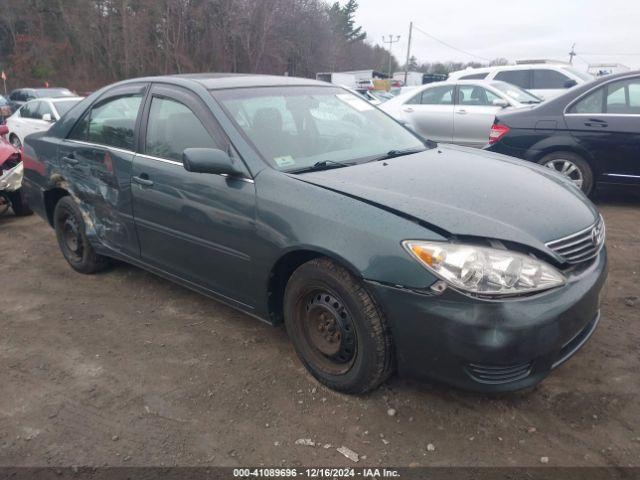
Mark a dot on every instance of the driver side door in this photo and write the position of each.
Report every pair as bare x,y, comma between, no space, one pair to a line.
199,227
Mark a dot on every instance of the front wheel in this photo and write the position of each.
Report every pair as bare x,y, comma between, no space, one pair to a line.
72,238
336,328
572,166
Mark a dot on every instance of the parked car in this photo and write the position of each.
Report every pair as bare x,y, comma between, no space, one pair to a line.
11,173
591,134
294,200
20,96
5,109
544,80
37,116
459,112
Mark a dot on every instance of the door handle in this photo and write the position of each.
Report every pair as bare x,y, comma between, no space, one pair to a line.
596,123
461,112
70,159
407,109
143,181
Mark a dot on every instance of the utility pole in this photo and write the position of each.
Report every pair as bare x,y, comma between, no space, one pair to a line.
391,41
406,65
572,53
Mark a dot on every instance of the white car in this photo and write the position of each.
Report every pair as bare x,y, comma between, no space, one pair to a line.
37,116
459,112
544,80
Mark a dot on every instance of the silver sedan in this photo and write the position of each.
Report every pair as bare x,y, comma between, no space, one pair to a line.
460,111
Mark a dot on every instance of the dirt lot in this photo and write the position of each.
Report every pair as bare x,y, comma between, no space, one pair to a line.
124,368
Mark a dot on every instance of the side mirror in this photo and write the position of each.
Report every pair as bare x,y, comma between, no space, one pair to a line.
46,117
209,160
570,83
3,130
500,102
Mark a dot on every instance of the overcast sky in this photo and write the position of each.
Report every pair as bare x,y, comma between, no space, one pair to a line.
515,29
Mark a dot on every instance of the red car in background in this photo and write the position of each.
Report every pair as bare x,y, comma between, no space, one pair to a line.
11,177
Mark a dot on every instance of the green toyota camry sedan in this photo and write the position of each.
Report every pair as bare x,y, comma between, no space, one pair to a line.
297,201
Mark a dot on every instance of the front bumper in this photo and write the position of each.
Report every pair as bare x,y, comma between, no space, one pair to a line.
492,345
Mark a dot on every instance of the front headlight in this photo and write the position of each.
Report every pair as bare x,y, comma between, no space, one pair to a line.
483,270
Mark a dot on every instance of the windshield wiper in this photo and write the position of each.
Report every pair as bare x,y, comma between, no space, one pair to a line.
321,165
397,153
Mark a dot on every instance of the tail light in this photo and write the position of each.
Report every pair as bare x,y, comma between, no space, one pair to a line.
497,132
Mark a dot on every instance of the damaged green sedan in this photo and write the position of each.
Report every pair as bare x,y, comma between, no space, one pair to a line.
296,201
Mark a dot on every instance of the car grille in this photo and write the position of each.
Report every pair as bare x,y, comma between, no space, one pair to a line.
581,246
496,375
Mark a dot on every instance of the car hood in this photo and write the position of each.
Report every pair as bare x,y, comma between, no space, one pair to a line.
460,191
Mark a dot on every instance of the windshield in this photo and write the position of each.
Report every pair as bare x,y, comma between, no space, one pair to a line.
587,77
64,106
516,93
295,128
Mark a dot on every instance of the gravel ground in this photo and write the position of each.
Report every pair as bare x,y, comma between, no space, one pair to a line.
124,368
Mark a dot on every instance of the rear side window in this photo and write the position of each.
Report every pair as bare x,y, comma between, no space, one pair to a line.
592,103
111,122
520,78
623,97
172,128
475,76
434,96
548,79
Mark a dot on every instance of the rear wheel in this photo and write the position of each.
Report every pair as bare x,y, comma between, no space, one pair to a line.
337,330
572,166
72,238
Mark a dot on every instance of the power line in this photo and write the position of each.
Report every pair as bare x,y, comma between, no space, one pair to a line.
607,54
449,45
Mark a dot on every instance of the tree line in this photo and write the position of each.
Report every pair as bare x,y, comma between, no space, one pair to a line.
85,44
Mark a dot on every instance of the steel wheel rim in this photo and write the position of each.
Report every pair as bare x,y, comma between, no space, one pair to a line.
328,331
72,237
567,168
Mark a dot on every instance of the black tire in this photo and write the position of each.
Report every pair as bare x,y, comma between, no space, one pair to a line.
19,204
72,238
321,289
583,167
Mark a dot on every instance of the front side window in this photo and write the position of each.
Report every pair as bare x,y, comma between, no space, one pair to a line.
548,79
64,106
471,95
29,110
110,122
172,128
294,128
43,109
520,78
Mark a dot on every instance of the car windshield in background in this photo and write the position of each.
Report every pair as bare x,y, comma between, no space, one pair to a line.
53,92
65,105
587,77
516,93
295,128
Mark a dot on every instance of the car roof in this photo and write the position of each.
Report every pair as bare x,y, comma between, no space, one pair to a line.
526,66
216,81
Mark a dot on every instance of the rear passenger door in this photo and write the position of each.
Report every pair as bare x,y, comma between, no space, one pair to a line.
96,159
430,113
197,226
606,123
